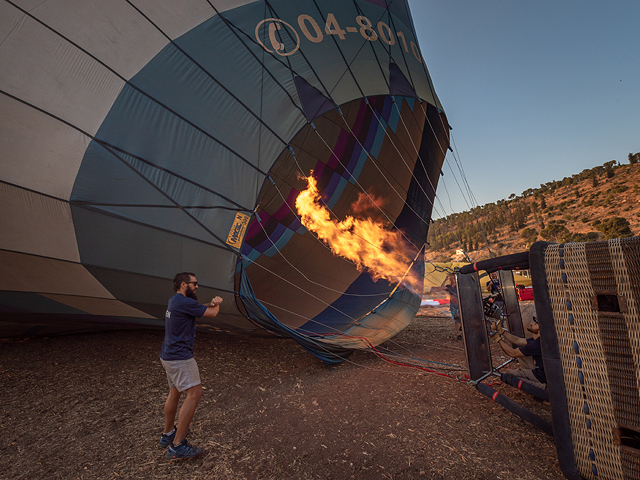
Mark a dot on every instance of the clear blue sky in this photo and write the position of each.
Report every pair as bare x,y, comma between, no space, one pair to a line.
535,90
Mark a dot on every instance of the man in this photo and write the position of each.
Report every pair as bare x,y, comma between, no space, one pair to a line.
493,285
526,347
177,359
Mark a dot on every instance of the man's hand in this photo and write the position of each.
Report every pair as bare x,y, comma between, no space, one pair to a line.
497,327
212,307
496,338
215,302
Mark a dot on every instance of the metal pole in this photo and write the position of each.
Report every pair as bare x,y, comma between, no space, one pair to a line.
516,408
492,372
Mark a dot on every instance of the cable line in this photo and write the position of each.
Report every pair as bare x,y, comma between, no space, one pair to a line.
204,70
107,147
139,90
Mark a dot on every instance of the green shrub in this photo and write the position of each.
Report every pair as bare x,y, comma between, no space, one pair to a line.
529,235
556,232
586,237
615,227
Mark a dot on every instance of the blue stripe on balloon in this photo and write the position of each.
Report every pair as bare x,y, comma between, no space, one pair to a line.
358,170
338,191
353,161
280,243
387,108
377,141
410,101
273,236
394,119
331,186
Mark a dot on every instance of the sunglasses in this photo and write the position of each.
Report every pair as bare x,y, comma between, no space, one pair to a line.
195,283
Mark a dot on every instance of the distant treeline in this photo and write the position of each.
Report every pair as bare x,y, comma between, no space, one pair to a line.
473,229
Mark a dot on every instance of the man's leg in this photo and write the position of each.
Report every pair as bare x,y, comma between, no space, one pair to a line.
170,409
186,412
527,376
527,363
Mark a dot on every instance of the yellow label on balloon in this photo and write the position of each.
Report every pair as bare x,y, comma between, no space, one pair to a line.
236,234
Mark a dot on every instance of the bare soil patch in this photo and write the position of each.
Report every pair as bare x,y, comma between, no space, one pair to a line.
90,406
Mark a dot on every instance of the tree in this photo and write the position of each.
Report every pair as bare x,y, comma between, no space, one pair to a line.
608,168
586,237
615,227
543,204
479,238
519,219
556,232
529,235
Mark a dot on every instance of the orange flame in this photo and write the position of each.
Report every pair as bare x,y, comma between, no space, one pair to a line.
367,204
366,242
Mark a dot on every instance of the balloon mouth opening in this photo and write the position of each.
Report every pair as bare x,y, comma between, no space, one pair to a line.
323,209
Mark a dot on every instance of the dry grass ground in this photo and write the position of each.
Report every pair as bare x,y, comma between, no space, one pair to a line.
90,406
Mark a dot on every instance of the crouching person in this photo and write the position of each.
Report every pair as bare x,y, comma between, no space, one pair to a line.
525,347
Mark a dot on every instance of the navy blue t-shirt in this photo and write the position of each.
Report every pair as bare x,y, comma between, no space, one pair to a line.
533,349
180,327
493,286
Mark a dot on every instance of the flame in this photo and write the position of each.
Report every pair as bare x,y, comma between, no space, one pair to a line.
366,242
367,204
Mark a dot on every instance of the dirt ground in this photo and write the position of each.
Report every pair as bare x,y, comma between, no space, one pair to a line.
91,406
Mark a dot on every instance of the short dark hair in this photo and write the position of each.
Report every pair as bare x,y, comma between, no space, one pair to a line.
181,277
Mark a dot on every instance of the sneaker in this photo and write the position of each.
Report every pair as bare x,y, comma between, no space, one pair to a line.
183,450
167,440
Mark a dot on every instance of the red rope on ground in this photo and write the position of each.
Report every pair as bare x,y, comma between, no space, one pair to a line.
494,384
400,364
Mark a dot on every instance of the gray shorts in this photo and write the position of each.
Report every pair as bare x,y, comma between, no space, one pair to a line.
182,374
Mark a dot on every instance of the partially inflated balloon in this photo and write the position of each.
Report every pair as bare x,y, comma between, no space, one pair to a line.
139,139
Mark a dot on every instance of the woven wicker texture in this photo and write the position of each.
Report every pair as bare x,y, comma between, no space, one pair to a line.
598,351
625,254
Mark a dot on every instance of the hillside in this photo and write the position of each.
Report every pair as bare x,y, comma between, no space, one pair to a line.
598,203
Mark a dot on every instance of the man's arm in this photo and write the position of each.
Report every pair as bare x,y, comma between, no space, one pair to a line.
497,327
508,349
519,341
213,307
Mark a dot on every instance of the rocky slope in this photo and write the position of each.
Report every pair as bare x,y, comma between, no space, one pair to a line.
598,203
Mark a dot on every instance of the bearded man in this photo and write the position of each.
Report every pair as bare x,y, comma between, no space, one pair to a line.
177,359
